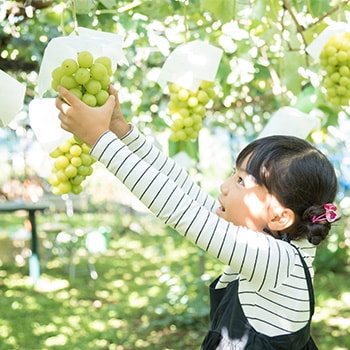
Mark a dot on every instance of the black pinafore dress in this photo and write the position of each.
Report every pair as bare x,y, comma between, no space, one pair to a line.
230,329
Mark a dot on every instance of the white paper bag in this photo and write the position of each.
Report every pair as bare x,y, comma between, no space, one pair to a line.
315,48
11,97
290,121
189,64
97,42
43,116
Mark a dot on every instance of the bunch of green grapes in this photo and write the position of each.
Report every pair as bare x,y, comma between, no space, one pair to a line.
187,110
89,80
85,77
72,164
335,59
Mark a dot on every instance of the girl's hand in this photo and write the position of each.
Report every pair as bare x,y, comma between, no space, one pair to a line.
118,124
87,123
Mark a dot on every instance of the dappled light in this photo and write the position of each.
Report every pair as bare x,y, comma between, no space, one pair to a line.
149,294
106,275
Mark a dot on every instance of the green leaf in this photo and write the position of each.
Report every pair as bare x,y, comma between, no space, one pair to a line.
223,10
312,32
83,7
108,3
290,76
318,8
331,113
190,147
266,8
305,100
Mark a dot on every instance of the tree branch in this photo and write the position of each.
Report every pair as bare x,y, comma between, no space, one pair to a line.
300,28
327,14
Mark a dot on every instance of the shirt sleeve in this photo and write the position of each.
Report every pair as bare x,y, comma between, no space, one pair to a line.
148,152
260,258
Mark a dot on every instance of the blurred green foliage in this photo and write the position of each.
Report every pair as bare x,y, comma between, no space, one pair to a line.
151,293
264,66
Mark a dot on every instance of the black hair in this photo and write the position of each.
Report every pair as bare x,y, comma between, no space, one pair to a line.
299,175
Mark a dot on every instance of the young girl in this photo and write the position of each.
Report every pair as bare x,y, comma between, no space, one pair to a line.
264,226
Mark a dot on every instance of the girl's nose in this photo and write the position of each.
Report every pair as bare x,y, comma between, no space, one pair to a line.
224,187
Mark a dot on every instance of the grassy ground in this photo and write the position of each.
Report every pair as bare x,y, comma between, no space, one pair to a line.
147,295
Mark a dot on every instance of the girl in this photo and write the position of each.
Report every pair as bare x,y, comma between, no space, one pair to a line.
264,226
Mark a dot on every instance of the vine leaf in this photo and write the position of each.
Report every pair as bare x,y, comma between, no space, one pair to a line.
222,10
83,6
108,3
292,79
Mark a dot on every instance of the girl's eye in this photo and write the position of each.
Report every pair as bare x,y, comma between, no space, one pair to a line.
240,181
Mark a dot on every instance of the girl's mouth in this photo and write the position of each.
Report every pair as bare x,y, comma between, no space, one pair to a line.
220,209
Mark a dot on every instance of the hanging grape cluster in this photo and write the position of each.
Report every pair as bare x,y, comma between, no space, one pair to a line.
335,59
85,77
89,80
72,164
187,110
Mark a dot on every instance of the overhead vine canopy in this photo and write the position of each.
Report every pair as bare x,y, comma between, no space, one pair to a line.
265,63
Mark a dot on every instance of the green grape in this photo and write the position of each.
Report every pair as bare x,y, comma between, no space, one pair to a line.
77,180
75,150
64,187
83,170
53,180
93,86
65,146
105,82
335,77
183,94
174,88
69,66
55,84
344,81
76,161
106,61
102,97
89,99
188,122
183,112
68,82
61,162
70,171
58,73
77,92
344,71
82,76
76,189
192,101
55,153
61,175
85,148
85,159
98,71
85,59
203,97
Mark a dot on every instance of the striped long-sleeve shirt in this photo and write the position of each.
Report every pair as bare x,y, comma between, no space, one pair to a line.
272,285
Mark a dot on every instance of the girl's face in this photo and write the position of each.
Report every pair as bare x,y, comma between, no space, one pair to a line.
243,201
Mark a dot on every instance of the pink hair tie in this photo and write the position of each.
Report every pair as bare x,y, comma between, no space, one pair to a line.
330,215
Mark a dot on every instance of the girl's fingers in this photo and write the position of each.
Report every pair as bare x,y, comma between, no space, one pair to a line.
67,96
62,105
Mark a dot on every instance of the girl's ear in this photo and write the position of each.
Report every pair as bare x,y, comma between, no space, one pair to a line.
282,220
280,217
